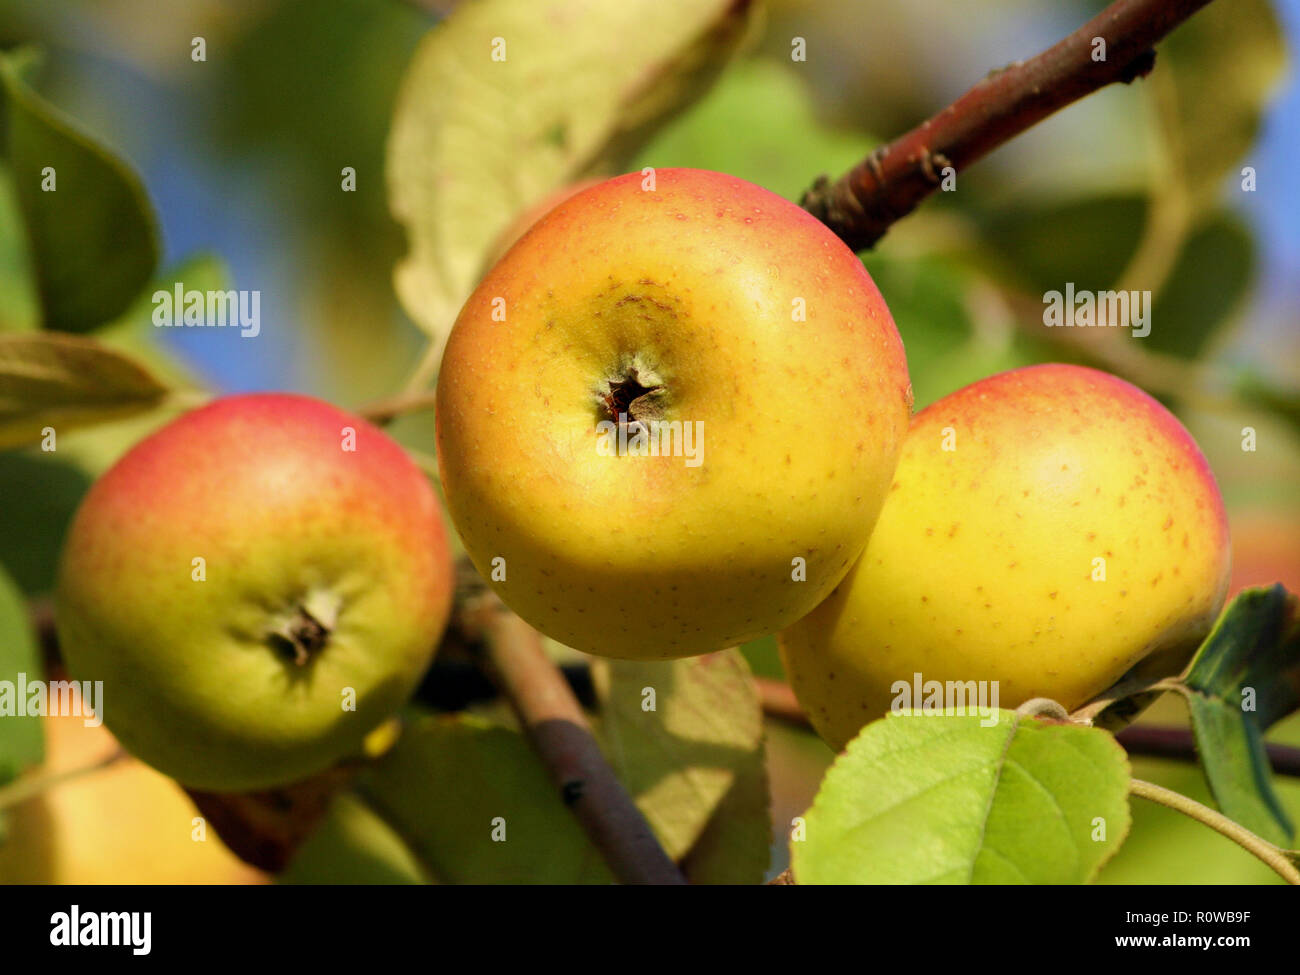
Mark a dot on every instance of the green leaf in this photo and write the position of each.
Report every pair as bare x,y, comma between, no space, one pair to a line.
475,141
920,798
1258,390
95,449
1245,677
353,845
1208,283
1039,246
64,381
443,787
1213,80
735,847
40,491
94,241
19,306
681,734
21,742
1255,646
763,657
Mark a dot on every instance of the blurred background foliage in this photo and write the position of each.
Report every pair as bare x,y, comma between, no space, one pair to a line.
241,155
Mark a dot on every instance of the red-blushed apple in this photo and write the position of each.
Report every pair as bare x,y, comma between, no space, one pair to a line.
1048,529
258,584
668,416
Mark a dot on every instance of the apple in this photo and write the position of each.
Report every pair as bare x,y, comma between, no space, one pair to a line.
639,311
1048,528
123,824
258,585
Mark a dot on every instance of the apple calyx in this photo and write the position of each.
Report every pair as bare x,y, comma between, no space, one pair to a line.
634,394
301,638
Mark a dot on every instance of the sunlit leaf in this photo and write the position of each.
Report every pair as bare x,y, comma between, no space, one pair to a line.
64,381
919,798
680,734
507,100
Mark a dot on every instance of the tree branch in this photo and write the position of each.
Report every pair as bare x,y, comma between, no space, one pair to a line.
554,720
1156,741
1153,741
890,183
779,702
384,411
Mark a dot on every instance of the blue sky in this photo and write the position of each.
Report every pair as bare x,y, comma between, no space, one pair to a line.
225,210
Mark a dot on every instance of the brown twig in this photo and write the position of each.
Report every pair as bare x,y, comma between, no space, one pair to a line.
861,205
1276,858
1157,741
559,731
384,411
779,702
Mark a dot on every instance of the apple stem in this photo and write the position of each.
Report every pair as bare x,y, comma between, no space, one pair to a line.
1248,841
891,182
1037,707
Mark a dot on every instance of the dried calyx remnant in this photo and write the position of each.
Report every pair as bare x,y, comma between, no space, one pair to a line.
302,638
633,393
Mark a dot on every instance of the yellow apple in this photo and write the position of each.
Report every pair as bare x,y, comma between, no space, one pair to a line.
1048,529
685,298
123,824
